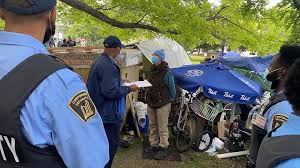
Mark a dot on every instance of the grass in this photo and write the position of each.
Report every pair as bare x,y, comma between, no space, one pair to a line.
197,59
132,158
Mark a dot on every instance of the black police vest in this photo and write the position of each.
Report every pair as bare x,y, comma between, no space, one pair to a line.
274,150
257,133
15,88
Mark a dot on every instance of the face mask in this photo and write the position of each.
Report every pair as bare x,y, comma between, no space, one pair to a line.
50,31
274,78
154,60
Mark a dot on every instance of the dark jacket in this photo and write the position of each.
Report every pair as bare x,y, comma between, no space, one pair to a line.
163,90
105,88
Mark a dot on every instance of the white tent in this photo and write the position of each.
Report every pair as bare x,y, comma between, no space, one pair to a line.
176,56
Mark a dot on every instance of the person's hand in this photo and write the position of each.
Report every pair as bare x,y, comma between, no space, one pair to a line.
126,81
134,88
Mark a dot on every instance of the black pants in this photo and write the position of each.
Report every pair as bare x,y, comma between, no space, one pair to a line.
257,136
113,136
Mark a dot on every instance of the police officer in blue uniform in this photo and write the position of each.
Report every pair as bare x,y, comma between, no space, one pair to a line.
281,148
46,120
279,109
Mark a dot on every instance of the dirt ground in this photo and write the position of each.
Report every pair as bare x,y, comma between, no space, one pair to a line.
132,158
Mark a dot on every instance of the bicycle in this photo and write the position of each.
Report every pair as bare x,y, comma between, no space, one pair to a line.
197,119
188,123
212,111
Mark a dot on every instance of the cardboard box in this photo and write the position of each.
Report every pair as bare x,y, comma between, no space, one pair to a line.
223,129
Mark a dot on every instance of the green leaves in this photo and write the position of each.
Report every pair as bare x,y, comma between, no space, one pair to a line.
1,24
235,23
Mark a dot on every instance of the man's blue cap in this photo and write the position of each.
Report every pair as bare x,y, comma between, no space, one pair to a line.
113,42
34,7
161,54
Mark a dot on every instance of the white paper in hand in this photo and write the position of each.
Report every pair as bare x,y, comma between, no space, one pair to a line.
140,84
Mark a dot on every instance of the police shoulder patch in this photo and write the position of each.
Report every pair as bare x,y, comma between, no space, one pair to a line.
82,105
278,120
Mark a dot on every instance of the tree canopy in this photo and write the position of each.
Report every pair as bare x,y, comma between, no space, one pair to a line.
190,22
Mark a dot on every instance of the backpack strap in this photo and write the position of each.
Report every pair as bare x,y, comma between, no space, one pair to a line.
274,150
20,82
274,100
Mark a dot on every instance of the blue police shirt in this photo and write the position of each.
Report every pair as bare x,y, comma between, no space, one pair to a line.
46,116
291,127
277,114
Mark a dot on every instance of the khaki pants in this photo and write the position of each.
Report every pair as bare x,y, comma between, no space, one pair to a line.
158,121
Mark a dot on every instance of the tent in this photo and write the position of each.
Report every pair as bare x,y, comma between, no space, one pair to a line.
176,56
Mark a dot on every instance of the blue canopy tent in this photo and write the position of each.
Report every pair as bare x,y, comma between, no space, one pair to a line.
218,82
256,64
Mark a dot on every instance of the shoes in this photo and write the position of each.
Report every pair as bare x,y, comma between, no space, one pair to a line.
150,149
124,144
161,154
127,140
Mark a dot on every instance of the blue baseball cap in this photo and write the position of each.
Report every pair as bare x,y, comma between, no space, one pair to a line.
161,54
113,42
34,7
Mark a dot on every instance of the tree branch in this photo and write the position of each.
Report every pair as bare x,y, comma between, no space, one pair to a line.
104,7
101,7
297,4
215,36
173,32
101,16
214,17
142,18
236,24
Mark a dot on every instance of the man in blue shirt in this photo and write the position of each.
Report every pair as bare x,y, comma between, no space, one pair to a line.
48,117
282,152
277,111
107,91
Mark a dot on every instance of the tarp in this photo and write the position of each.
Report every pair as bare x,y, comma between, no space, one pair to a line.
218,82
231,54
266,85
176,56
256,64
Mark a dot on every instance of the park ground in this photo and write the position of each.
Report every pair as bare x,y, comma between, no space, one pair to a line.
132,158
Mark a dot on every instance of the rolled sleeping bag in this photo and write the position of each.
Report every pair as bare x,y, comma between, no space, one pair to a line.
141,111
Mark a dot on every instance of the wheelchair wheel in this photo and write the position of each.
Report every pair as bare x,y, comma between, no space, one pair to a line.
185,138
204,141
